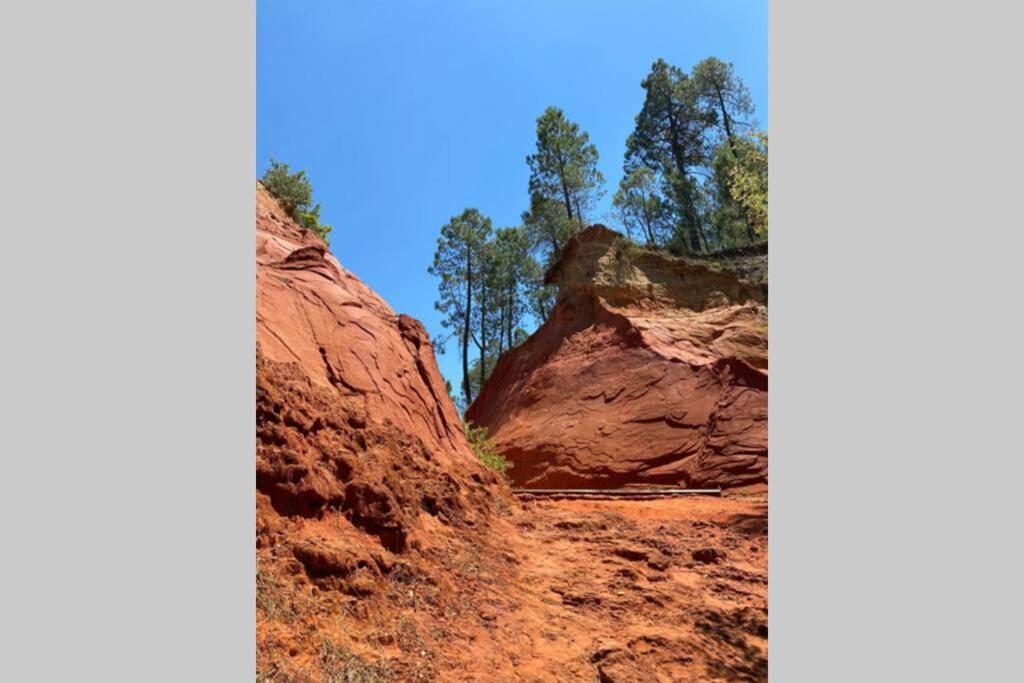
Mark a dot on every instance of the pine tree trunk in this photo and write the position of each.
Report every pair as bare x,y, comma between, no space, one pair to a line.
725,122
467,393
511,305
565,187
483,332
501,333
565,197
694,239
647,220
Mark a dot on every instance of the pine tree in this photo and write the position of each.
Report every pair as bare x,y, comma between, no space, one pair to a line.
641,208
564,168
670,138
459,263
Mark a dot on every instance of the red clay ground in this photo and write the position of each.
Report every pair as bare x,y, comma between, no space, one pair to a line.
571,590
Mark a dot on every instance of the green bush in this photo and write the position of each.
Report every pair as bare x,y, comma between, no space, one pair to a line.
311,221
485,450
295,194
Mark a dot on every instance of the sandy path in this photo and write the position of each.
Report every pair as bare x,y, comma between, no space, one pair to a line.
571,590
612,591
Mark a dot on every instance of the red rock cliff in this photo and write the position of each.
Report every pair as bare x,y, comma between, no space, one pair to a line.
650,370
362,469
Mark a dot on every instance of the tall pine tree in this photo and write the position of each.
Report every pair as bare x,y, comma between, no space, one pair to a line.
670,138
564,167
459,262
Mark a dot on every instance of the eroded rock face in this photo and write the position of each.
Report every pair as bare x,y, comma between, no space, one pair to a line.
313,312
650,370
354,426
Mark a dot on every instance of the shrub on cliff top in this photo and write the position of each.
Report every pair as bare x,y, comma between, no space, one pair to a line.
295,194
485,450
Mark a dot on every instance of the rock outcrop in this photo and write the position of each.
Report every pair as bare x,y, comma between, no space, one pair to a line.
361,463
353,415
650,370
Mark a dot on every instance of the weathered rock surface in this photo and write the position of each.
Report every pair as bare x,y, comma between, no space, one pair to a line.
650,370
361,462
346,339
352,414
385,552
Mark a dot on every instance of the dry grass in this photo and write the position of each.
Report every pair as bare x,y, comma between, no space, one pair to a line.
340,665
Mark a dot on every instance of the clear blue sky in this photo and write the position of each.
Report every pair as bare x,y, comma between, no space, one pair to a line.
404,113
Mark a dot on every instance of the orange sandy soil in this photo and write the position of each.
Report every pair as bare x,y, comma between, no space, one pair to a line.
569,590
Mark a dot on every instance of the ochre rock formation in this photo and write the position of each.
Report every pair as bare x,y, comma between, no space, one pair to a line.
386,552
352,414
361,462
650,370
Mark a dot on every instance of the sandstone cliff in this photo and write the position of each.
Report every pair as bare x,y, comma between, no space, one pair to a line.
650,370
362,468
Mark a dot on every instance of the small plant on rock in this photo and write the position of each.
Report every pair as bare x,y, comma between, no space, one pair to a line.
295,194
485,450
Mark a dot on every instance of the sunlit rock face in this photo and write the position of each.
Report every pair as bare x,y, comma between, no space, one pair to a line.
650,370
361,460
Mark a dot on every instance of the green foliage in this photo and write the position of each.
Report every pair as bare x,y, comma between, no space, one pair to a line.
508,266
670,139
723,95
564,185
749,180
641,209
486,292
459,262
485,450
727,217
564,168
311,221
624,249
292,190
295,194
688,136
547,227
478,374
539,298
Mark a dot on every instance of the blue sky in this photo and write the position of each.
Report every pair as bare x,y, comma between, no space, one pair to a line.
404,113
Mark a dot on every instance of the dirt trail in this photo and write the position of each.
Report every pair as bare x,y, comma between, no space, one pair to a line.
662,590
571,590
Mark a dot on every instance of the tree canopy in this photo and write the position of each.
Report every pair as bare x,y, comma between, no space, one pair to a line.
689,135
564,167
723,93
749,180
